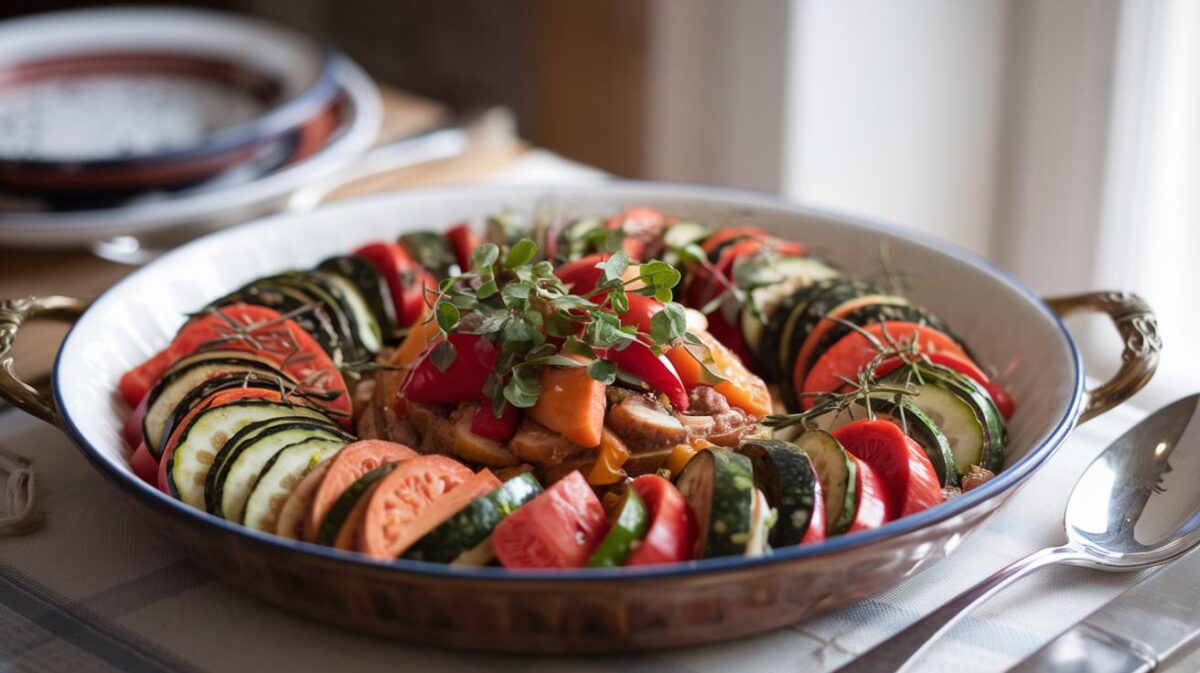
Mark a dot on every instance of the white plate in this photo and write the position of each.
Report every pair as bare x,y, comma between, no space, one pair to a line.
227,204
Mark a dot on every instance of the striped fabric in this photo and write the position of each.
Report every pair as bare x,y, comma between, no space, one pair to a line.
94,591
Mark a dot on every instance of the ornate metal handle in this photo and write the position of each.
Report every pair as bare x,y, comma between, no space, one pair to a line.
1138,328
14,313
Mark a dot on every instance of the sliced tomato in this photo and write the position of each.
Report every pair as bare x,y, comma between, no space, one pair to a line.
656,370
1000,397
143,465
407,280
854,351
909,481
132,430
485,423
582,275
461,382
558,529
463,242
398,513
741,388
672,532
351,462
816,522
201,331
871,509
215,400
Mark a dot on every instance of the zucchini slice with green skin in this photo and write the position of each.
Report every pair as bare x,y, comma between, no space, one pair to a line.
626,529
185,377
915,422
827,294
768,354
473,525
339,512
279,476
718,485
784,277
953,407
238,465
202,439
319,286
366,329
371,286
785,475
996,432
838,475
682,234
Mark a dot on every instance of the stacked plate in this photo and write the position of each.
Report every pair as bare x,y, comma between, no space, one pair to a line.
123,122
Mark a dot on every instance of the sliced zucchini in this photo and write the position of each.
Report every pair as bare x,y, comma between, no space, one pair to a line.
473,525
838,475
202,439
951,408
784,277
476,557
280,475
773,332
682,234
204,390
718,484
295,507
320,287
916,423
785,475
763,518
371,285
340,512
186,375
801,323
996,433
238,464
366,329
312,315
625,530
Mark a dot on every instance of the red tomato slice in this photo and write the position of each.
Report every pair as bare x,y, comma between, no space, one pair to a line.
132,430
351,462
461,382
908,478
144,466
671,534
582,275
407,280
816,522
500,429
463,241
854,351
656,370
557,529
397,513
871,508
641,225
1000,397
197,333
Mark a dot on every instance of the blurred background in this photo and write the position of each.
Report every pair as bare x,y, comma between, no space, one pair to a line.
1060,138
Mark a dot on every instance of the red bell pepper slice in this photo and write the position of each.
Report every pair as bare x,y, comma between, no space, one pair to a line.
461,382
655,370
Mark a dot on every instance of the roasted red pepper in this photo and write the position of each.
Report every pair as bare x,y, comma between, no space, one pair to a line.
461,382
656,370
497,429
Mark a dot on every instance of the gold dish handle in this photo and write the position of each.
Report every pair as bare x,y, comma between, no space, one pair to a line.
13,314
1138,327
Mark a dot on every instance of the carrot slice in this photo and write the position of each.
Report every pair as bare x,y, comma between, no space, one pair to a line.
395,516
571,404
845,358
741,388
345,468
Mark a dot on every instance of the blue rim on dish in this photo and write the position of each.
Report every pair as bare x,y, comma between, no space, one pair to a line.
1010,477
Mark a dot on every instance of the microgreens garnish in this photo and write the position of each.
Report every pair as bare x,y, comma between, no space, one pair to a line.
514,299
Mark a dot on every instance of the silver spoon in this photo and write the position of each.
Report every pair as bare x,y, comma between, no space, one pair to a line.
1137,505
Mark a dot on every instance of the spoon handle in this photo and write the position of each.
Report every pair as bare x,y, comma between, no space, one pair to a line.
896,652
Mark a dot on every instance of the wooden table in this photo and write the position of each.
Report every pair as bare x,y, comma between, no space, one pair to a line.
80,273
